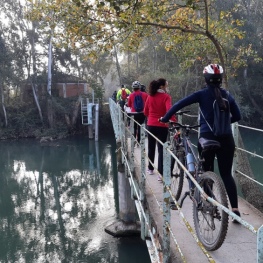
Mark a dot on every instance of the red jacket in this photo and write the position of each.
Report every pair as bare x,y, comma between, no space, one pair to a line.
156,107
132,96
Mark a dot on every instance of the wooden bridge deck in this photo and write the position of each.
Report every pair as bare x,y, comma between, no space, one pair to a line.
240,245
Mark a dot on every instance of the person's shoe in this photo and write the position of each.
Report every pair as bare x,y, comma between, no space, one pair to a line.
233,219
160,179
150,172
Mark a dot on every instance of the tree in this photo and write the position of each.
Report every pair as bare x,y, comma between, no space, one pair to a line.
193,29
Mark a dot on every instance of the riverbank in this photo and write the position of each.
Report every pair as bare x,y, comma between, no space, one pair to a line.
32,128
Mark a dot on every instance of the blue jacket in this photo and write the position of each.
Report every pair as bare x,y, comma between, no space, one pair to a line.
205,97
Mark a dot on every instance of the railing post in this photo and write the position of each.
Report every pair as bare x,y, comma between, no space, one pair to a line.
235,160
260,245
142,179
114,107
132,143
166,202
120,128
96,122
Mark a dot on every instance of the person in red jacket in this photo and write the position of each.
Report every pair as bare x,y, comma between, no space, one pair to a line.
138,116
157,104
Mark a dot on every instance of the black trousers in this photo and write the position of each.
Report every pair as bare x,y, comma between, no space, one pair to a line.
138,117
160,133
122,103
225,157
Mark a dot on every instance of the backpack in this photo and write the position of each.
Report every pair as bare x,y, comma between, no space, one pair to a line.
222,120
123,94
138,103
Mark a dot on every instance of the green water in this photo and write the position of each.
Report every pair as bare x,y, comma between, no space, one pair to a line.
55,201
253,142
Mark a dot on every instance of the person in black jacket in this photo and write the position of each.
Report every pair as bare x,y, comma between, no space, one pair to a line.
213,74
114,96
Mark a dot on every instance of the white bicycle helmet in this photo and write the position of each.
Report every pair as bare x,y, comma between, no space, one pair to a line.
136,85
213,73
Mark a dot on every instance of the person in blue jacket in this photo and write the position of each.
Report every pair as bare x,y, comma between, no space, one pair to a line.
213,74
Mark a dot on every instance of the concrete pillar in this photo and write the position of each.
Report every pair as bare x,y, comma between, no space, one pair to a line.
127,210
90,130
126,224
64,90
90,120
96,122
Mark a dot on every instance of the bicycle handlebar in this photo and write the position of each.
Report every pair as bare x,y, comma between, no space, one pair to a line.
184,126
182,112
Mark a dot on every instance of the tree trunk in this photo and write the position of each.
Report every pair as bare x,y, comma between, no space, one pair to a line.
50,113
37,102
76,111
49,66
71,123
33,80
3,105
118,65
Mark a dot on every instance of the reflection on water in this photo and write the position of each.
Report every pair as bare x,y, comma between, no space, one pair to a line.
55,201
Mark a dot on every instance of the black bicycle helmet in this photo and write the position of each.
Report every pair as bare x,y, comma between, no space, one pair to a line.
213,73
143,88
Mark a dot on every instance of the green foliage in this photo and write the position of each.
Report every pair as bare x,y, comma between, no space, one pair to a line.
161,38
97,87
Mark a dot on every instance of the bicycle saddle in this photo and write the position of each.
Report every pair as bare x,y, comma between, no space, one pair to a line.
208,144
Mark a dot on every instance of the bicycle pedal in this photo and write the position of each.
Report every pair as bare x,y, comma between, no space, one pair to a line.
175,175
173,206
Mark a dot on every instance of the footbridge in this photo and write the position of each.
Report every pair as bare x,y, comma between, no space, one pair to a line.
169,234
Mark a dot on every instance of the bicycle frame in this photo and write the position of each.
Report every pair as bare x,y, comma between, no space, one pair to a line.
189,150
182,144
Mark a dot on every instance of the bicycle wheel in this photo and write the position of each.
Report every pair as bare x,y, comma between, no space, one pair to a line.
178,177
211,223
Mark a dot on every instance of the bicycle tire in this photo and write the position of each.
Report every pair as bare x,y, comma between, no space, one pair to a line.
211,223
177,179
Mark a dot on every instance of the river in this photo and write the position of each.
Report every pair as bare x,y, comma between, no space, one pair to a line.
253,142
55,201
57,198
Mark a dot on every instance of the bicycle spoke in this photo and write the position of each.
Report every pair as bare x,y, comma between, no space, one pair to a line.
211,223
177,178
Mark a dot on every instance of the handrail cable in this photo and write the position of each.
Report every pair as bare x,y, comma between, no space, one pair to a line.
255,181
253,154
251,128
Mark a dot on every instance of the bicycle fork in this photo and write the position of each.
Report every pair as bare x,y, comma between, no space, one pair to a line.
189,193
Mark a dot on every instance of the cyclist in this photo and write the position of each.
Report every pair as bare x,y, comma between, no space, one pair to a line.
122,95
143,88
157,104
138,116
213,74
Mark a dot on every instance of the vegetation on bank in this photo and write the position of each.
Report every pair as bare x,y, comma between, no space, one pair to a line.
24,121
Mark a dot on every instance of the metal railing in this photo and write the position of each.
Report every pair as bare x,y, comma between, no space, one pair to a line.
128,141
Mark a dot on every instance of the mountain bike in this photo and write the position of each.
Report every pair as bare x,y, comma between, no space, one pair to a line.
210,222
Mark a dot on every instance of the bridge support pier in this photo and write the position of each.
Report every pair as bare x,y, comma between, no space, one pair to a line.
126,225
